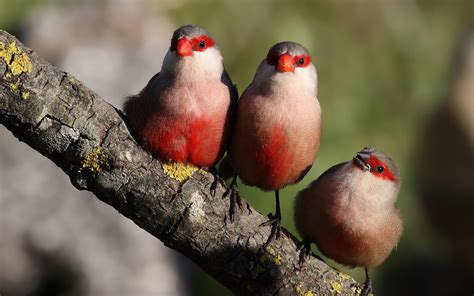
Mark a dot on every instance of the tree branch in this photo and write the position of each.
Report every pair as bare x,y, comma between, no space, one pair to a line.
87,138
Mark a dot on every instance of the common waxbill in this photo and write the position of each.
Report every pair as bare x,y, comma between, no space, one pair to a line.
184,113
278,124
350,211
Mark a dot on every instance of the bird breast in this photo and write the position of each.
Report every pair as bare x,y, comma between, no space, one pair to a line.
276,137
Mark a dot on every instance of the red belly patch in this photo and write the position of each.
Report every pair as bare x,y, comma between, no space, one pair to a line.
273,157
196,140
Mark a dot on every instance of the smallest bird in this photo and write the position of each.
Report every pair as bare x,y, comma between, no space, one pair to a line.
350,212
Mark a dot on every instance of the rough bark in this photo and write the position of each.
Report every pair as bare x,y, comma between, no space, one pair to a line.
88,139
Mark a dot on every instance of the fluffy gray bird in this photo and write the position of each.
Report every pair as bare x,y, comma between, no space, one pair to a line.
350,211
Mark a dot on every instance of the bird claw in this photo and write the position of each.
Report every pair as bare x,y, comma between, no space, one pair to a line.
235,199
275,222
367,289
217,180
305,252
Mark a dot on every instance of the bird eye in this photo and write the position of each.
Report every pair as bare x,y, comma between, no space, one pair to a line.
380,169
301,61
202,44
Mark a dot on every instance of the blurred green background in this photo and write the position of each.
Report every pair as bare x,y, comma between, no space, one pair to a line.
383,70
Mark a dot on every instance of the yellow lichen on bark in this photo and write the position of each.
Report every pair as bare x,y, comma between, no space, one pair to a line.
301,292
25,95
271,256
179,171
18,62
97,160
21,64
336,288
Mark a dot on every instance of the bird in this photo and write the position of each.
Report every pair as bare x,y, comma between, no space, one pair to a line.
277,126
350,212
184,114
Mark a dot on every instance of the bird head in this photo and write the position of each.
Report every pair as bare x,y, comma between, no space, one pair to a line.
189,39
288,56
287,69
193,50
377,163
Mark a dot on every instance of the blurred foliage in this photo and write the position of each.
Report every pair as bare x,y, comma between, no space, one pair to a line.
13,12
382,69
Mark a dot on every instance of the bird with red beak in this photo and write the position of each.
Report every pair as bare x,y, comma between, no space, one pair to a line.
350,212
278,125
184,113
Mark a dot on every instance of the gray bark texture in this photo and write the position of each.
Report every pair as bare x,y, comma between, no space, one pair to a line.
88,139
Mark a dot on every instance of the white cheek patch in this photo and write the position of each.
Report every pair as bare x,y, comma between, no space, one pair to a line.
382,188
209,61
308,76
302,81
200,65
369,189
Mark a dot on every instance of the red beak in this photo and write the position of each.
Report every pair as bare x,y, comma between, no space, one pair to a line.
184,47
285,63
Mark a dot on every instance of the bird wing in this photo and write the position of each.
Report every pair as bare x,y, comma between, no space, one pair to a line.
143,93
134,105
331,170
234,94
149,87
